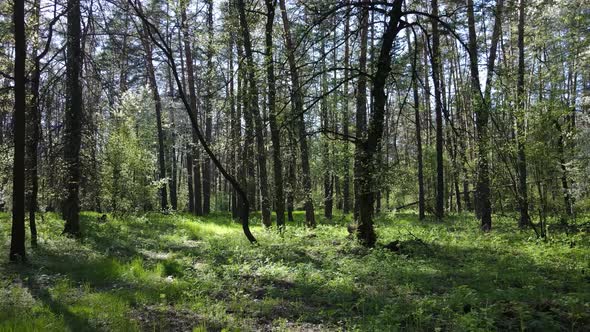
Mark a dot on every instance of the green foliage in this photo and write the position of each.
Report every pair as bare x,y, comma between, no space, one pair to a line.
162,272
128,165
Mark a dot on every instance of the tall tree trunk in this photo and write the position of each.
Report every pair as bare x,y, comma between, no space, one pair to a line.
482,109
361,111
255,113
298,113
194,156
346,119
207,176
33,131
421,201
523,200
73,121
151,73
436,80
275,134
17,238
365,231
325,124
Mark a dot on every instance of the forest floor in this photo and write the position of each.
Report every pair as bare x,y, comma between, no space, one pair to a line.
182,273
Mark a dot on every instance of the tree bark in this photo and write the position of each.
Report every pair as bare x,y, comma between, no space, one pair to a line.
346,119
365,231
436,80
207,176
17,238
361,111
297,101
151,73
255,113
523,201
195,155
275,135
73,121
421,201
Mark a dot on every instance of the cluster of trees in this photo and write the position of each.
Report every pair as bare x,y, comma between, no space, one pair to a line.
276,105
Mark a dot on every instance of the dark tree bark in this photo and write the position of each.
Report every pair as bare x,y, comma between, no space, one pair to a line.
297,101
17,238
275,135
523,200
73,121
361,111
365,231
482,108
436,79
195,156
33,132
255,113
151,73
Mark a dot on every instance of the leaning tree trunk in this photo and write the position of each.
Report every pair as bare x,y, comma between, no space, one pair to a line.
157,38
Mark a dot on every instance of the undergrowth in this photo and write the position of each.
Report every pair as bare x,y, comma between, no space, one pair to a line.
180,272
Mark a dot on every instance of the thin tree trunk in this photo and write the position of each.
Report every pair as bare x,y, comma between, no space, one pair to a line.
421,201
436,80
195,157
361,111
279,195
523,201
346,119
158,105
255,113
298,112
207,176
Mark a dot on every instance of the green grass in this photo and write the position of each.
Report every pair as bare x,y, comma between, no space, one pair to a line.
179,272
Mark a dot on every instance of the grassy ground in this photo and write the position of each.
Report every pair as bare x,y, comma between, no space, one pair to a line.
178,272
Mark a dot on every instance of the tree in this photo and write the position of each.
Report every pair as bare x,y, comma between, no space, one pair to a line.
253,109
438,108
17,239
481,104
298,114
193,156
365,231
523,200
73,121
275,136
151,74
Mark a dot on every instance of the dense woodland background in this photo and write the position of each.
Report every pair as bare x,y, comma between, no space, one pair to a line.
347,110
